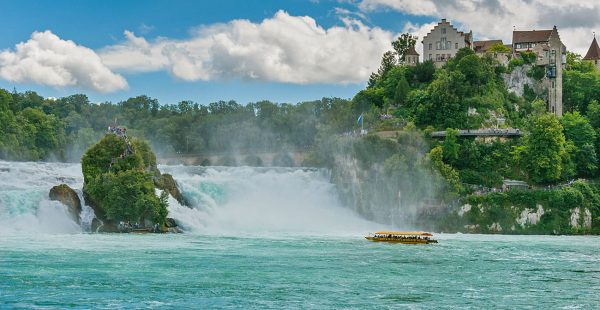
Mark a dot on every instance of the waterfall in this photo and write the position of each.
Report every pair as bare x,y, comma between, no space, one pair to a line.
244,200
24,203
230,201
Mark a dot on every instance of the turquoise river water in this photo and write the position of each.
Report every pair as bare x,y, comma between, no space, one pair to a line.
196,271
268,239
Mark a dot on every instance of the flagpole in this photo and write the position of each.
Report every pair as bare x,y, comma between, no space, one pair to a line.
362,123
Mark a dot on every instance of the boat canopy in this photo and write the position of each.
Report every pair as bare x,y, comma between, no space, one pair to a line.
404,233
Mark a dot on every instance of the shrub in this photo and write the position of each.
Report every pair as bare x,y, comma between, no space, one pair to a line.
536,72
515,62
528,57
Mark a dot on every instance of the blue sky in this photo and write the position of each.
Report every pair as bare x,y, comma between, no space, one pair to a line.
287,51
96,24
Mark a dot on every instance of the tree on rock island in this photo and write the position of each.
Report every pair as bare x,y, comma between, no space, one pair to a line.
119,179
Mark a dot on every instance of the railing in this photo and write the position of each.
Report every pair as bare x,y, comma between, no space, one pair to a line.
482,190
492,132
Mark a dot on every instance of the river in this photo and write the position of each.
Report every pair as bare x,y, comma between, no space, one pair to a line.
271,239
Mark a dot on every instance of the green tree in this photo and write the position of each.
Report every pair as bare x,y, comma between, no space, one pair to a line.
451,176
579,89
451,148
401,91
476,72
498,48
544,149
44,134
593,113
578,130
388,62
425,71
402,44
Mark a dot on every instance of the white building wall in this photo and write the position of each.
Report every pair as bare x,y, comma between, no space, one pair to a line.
442,43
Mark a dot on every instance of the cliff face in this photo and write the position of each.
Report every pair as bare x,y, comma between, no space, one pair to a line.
384,181
570,210
518,79
522,220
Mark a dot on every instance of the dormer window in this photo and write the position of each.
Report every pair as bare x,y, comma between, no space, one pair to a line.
443,30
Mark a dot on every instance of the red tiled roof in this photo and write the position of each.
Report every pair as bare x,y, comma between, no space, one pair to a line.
531,36
594,52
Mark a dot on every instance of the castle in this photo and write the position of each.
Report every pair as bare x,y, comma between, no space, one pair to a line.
444,41
593,53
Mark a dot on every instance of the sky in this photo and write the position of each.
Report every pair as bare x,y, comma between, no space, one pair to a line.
244,50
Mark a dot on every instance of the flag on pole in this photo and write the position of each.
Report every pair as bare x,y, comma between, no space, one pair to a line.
360,119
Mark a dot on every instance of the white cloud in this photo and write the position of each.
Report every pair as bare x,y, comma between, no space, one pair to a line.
48,60
284,48
494,19
415,7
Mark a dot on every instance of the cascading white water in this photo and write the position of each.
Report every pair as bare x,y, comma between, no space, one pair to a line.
227,201
244,200
24,203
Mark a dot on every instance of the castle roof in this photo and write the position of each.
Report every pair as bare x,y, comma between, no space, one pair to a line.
594,51
412,51
483,46
531,36
468,36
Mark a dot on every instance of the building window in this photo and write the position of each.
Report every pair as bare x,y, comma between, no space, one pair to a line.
430,57
443,30
456,45
553,84
430,46
438,45
448,56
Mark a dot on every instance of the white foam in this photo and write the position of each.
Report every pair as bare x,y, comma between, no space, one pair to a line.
248,201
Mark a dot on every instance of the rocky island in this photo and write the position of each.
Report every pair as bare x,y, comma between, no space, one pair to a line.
124,187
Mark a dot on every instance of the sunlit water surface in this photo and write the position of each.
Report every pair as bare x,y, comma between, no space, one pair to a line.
114,271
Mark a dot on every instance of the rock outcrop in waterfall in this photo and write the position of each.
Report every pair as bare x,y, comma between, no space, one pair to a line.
120,176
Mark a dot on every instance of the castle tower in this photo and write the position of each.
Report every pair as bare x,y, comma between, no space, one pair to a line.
412,57
593,53
551,54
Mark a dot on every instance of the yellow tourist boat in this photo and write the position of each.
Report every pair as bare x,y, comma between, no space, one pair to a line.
402,237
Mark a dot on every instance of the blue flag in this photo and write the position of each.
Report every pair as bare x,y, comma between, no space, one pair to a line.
360,119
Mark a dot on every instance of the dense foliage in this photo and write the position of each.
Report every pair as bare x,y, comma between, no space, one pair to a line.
120,186
34,128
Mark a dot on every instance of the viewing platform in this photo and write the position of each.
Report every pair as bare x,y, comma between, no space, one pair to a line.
491,132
